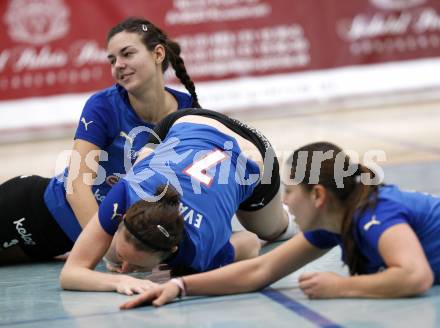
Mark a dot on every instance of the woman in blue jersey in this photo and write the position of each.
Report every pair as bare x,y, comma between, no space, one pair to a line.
121,115
389,237
175,206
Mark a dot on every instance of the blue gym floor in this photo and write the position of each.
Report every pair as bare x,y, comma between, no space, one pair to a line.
30,296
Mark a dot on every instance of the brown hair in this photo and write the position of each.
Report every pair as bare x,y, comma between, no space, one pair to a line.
151,36
352,193
155,226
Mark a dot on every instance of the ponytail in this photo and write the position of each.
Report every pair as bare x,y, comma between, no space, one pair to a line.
361,198
352,193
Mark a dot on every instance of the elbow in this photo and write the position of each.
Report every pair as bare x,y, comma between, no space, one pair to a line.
421,282
72,194
65,278
426,282
75,189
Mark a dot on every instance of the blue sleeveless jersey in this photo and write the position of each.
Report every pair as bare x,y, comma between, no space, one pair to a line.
419,210
213,179
107,121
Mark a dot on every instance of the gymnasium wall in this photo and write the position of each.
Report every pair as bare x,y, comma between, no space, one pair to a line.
244,55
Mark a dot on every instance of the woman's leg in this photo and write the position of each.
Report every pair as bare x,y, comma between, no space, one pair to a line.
268,222
271,223
13,255
246,245
28,232
10,249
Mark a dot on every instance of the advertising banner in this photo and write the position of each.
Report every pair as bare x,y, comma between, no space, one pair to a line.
51,47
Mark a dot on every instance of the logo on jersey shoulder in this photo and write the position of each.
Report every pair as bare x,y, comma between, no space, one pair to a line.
27,237
111,180
370,223
115,212
86,124
126,137
11,243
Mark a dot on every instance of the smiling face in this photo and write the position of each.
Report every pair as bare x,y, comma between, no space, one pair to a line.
133,66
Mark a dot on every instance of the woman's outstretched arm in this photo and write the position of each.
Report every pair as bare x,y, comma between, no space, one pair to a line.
78,273
408,272
240,277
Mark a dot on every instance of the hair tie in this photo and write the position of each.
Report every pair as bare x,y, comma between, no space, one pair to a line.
144,27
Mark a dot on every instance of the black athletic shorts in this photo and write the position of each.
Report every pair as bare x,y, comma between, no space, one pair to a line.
269,184
25,220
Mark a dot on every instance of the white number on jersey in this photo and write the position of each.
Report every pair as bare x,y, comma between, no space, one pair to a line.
197,170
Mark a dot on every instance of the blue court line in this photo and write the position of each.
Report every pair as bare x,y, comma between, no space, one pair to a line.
299,309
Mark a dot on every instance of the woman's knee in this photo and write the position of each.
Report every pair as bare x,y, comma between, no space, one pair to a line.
246,245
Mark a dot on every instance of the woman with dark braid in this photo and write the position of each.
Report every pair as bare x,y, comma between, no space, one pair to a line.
114,125
389,237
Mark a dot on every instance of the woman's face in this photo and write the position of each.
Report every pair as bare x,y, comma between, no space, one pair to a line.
131,258
132,65
300,204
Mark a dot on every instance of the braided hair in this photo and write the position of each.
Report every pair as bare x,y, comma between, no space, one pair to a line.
151,36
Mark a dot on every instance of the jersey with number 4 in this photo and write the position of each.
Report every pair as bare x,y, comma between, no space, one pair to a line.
213,178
